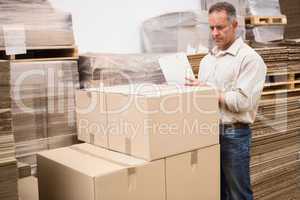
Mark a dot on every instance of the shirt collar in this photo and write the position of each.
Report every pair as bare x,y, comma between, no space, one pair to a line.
233,49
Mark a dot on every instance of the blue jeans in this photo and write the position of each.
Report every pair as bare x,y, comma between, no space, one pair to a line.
235,161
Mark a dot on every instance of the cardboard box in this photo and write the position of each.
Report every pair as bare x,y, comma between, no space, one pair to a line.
91,117
86,172
194,175
151,122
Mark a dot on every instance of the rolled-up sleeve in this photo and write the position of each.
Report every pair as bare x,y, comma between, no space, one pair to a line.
244,95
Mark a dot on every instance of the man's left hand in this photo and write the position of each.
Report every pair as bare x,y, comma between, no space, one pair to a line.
194,82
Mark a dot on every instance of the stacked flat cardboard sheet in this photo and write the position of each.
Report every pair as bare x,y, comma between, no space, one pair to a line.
37,21
31,24
8,163
119,69
273,54
276,131
8,177
275,147
43,107
294,50
292,10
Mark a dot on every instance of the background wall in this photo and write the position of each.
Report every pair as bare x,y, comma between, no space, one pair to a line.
114,25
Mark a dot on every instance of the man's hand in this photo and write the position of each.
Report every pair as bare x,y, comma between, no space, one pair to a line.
193,82
221,97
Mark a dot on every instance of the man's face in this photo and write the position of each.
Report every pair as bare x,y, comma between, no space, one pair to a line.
222,30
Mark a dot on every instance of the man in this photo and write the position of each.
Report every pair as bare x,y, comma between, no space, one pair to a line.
238,73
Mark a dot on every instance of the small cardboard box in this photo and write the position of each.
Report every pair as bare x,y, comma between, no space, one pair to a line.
87,172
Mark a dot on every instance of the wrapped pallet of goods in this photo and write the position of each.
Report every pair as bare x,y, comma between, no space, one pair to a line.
240,5
265,22
183,31
37,21
176,32
119,69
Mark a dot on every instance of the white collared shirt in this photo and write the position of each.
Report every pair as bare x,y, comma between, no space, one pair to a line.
240,73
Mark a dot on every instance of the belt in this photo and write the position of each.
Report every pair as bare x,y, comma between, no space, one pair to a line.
235,125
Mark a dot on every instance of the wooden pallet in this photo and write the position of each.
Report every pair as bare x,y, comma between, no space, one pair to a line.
283,93
282,80
281,86
266,20
43,53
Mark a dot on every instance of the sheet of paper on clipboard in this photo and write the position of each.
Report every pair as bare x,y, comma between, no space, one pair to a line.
176,68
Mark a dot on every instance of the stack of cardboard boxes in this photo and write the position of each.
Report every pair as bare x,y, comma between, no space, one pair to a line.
276,135
145,142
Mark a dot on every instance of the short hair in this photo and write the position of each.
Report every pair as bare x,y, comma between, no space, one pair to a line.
224,6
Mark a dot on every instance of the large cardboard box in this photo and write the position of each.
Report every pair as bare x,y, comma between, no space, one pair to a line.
87,172
149,122
194,175
84,172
